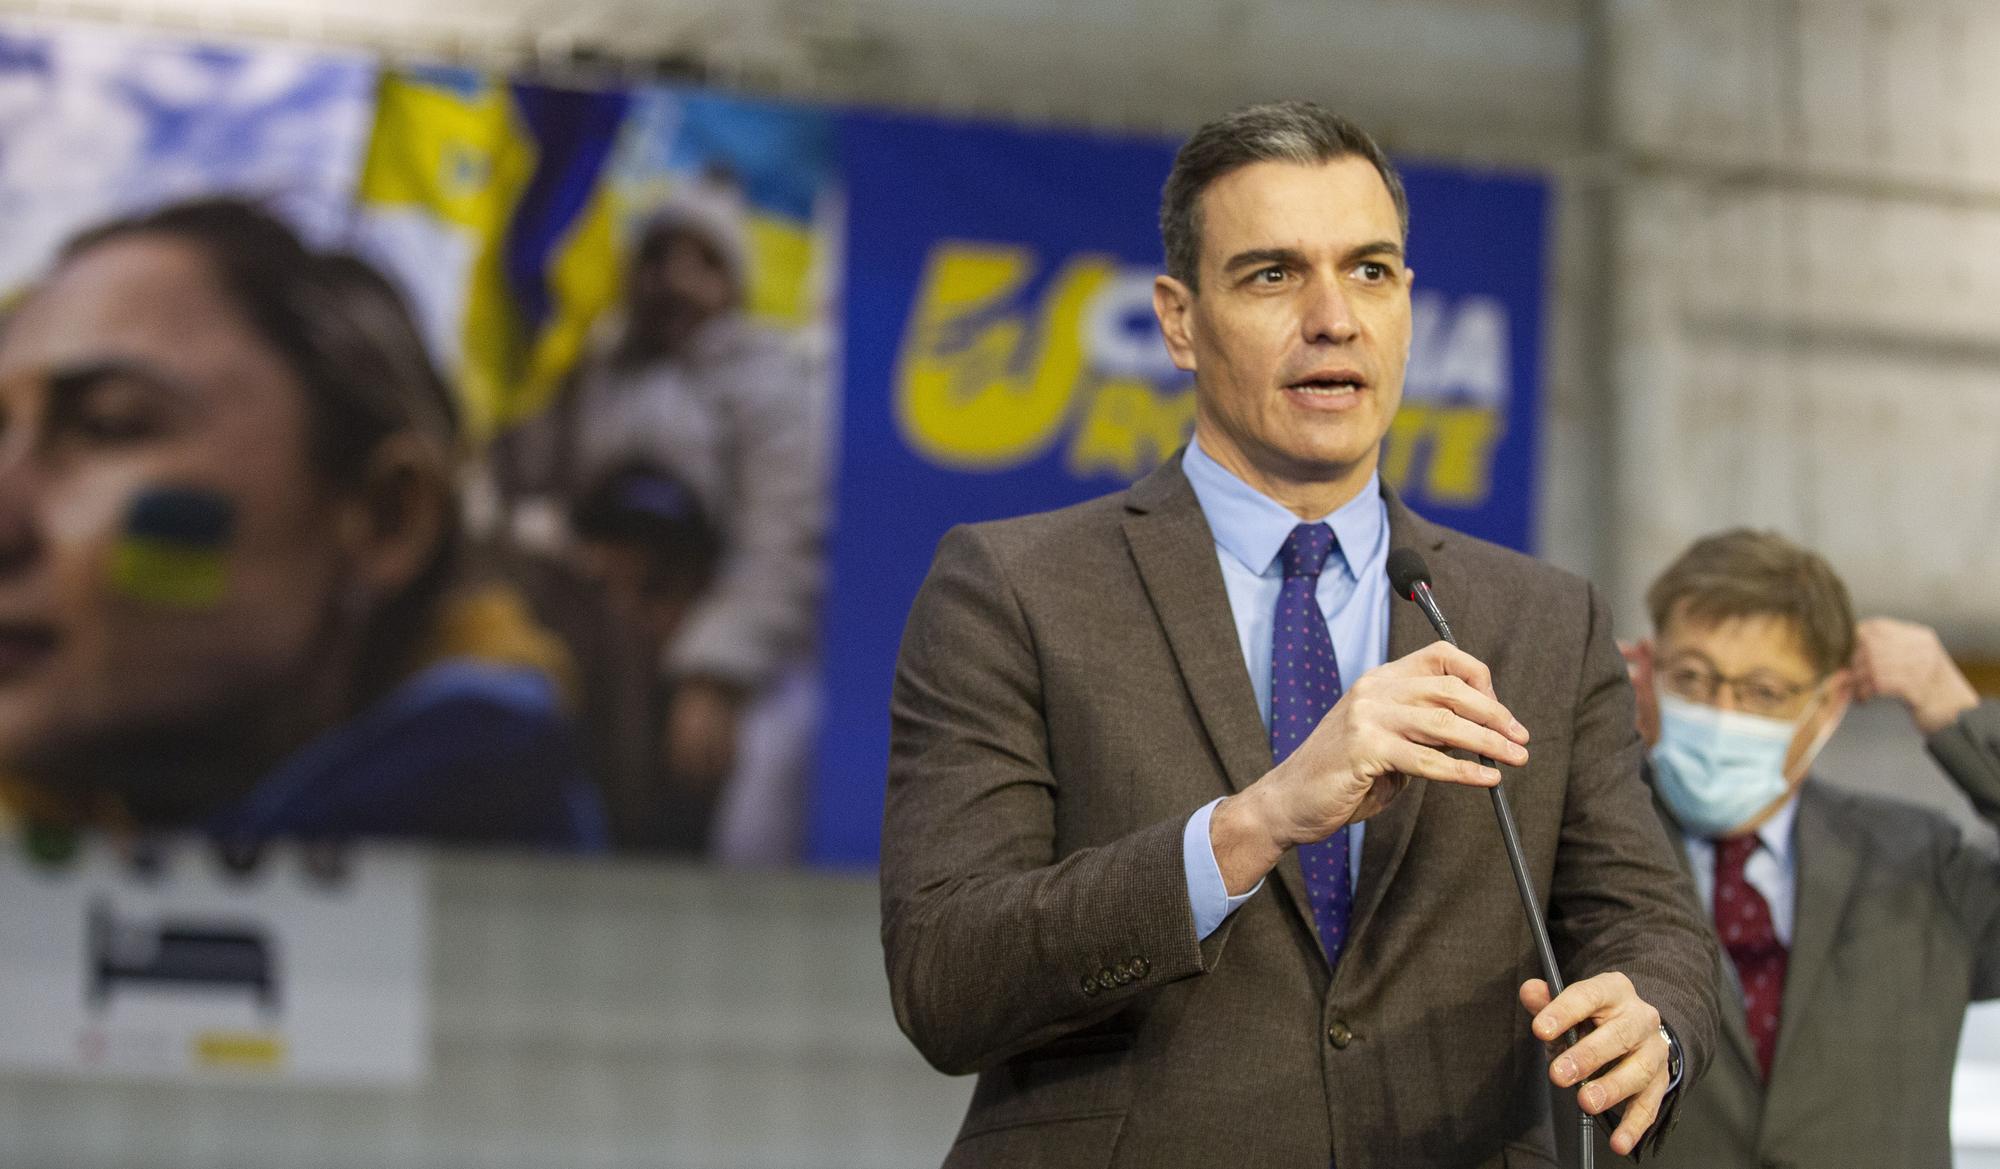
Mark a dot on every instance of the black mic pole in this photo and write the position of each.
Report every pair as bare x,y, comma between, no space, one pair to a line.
1412,579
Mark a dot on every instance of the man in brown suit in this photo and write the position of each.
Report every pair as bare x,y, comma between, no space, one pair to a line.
1088,790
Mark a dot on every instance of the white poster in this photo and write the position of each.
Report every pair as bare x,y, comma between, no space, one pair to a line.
177,960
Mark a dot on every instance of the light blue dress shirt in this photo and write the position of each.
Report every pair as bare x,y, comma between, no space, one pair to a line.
1772,870
1250,529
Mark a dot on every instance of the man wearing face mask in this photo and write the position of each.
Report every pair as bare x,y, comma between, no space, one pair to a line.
1854,929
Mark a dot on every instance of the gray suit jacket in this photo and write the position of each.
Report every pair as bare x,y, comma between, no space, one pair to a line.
1070,690
1898,928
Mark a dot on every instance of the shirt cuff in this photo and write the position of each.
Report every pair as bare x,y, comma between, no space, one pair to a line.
1206,892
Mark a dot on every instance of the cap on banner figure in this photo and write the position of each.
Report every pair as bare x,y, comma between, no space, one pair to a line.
229,595
681,380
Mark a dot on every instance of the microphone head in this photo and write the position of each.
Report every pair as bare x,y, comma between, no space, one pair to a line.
1407,570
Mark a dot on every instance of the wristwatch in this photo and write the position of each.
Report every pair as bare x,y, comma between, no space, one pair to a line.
1673,1058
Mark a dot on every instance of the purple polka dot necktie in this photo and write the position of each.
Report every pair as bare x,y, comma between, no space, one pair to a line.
1305,683
1743,919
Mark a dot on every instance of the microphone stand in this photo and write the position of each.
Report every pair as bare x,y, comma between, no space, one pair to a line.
1420,592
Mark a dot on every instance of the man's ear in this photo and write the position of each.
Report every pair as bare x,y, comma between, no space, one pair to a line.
1639,657
1639,668
1173,304
391,524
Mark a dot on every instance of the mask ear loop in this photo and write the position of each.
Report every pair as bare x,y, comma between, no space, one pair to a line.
1810,752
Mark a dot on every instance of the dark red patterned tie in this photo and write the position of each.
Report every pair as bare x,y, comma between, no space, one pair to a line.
1743,921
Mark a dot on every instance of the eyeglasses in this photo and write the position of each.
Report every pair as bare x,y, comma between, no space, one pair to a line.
1755,693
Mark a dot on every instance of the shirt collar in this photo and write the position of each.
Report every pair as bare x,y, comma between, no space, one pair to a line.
1252,527
1775,834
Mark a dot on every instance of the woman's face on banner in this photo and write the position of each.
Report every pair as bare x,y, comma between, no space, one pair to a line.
129,381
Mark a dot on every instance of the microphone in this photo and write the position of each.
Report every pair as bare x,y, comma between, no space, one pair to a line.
1411,578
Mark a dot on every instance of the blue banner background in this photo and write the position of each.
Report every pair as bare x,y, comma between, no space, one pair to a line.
919,188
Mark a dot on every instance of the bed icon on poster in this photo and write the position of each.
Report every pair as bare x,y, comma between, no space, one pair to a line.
192,952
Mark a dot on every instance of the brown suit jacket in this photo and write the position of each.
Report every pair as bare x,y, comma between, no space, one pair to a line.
1070,690
1898,928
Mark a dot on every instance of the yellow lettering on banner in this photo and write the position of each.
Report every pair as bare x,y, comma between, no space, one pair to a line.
239,1049
1458,444
975,389
1462,454
1129,429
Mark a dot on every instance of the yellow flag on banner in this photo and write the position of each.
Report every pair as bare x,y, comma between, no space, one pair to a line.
487,198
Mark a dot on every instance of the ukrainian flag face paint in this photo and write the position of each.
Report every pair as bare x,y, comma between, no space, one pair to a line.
174,548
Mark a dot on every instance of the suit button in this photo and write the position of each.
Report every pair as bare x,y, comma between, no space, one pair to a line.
1139,967
1090,984
1107,979
1339,1036
1125,975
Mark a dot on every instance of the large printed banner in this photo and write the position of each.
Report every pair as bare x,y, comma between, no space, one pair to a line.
725,370
1002,358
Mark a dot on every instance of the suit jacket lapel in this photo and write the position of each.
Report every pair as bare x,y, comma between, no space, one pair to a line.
1388,833
1175,553
1735,1023
1828,867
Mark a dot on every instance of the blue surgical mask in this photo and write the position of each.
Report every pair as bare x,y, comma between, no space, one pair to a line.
1717,768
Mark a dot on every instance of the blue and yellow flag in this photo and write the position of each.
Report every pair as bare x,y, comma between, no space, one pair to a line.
487,197
508,211
774,165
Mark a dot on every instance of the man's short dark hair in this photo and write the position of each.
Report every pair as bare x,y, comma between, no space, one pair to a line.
1291,131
